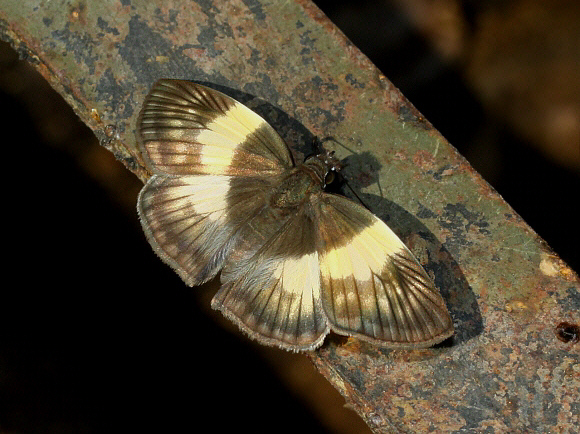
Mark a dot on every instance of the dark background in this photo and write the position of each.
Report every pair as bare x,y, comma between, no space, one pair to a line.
84,348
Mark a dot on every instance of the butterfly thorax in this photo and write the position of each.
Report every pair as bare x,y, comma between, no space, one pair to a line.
297,185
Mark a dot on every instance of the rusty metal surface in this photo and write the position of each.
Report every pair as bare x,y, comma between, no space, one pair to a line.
508,367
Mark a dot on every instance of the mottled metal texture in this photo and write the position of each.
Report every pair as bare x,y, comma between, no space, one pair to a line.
506,368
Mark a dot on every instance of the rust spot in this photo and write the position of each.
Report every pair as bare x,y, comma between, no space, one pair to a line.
408,113
511,406
423,159
552,265
447,172
400,155
567,332
110,131
95,115
77,13
515,305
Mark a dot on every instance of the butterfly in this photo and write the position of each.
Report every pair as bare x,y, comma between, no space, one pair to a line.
296,262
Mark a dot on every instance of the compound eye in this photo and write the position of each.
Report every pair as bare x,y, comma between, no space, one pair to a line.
330,177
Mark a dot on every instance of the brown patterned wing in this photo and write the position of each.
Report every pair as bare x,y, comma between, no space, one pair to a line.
270,284
185,128
372,285
192,221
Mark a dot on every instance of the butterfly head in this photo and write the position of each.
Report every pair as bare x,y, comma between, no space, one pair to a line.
326,165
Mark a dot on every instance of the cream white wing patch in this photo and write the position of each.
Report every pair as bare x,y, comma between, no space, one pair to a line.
372,285
272,293
277,302
191,221
184,220
365,252
185,128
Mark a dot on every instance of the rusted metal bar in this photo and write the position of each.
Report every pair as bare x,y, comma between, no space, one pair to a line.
514,363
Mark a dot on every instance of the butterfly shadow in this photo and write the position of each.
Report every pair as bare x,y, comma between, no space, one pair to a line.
362,170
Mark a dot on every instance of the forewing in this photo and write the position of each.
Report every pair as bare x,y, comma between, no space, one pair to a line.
185,128
270,283
372,285
192,221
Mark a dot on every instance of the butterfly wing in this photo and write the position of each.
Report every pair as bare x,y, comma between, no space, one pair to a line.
191,221
185,128
371,284
213,159
270,283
